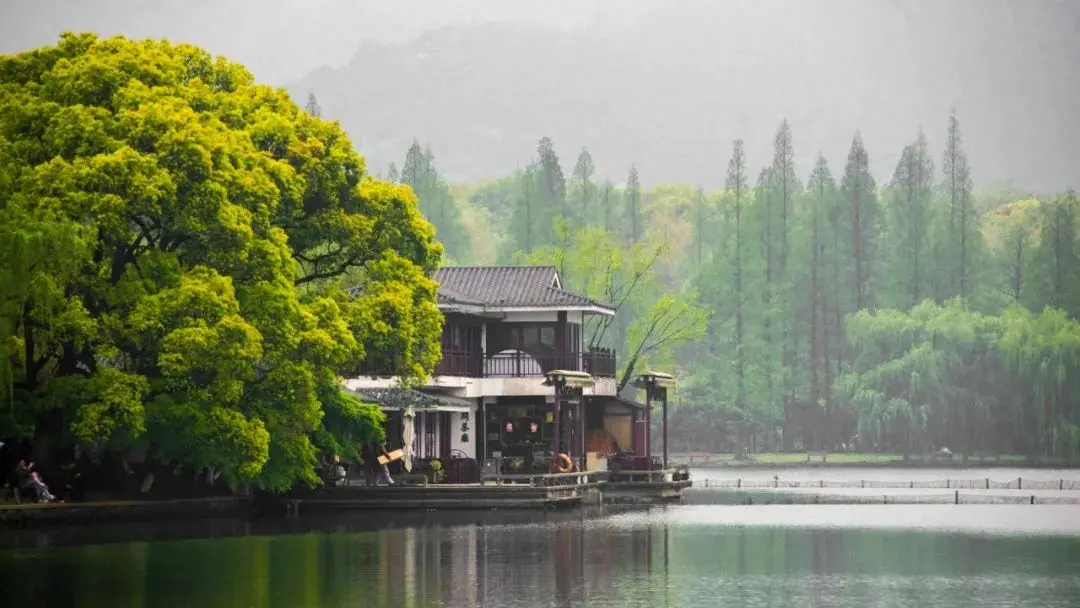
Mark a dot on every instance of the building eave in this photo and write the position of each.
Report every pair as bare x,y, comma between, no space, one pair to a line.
480,310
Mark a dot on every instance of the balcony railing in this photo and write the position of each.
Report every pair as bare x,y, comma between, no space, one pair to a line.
517,364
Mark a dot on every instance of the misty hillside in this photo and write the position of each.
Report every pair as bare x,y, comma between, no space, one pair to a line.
672,90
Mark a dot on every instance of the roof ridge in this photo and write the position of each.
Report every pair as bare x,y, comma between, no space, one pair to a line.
581,296
499,266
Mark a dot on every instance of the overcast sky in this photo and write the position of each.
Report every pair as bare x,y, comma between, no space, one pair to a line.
736,67
280,40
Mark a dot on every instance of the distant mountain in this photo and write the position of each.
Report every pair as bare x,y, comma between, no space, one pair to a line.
671,91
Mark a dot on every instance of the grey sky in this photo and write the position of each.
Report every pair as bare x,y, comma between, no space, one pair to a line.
665,84
280,40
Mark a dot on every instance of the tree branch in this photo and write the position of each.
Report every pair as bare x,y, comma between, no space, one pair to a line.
329,274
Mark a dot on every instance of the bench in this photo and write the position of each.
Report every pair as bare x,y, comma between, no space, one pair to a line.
703,457
811,454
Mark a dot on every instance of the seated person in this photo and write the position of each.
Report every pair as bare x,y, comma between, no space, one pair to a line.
338,474
29,478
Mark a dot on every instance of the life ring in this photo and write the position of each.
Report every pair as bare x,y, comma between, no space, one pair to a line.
563,464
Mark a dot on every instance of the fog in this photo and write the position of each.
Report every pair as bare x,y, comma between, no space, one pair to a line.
665,85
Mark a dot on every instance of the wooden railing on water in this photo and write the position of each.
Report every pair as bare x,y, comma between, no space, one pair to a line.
939,484
656,476
556,486
546,480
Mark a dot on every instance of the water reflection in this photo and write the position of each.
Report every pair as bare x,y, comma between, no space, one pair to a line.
673,557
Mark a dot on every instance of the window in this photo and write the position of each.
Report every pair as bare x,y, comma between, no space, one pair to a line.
573,337
529,336
547,336
429,431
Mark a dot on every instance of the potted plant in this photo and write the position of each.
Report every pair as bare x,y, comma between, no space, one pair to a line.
438,475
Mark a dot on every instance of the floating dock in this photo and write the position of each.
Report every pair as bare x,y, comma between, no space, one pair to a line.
540,491
516,491
646,487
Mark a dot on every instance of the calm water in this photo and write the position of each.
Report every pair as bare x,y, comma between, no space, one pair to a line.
886,473
682,556
703,495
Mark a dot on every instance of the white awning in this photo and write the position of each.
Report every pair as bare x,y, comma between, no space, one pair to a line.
397,399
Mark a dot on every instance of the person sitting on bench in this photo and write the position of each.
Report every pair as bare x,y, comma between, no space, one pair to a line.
29,478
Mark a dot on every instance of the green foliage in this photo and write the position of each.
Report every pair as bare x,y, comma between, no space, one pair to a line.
783,274
650,323
177,244
436,201
939,374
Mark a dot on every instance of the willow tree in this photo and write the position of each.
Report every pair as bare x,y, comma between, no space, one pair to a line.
922,378
1042,353
178,236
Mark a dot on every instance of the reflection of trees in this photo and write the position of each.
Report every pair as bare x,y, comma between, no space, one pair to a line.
570,563
770,551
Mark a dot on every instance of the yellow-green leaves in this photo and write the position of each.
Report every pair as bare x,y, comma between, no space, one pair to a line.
177,244
112,407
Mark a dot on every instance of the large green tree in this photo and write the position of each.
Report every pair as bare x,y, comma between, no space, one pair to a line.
909,214
177,243
960,243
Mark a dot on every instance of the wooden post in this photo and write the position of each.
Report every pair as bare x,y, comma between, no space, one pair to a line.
648,428
581,428
480,430
556,438
663,397
562,347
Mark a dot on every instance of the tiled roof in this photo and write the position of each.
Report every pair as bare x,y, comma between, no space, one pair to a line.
511,286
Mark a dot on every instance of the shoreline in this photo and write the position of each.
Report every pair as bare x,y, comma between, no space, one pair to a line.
883,464
29,514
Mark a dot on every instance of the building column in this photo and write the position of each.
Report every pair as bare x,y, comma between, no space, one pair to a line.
655,385
637,416
569,423
581,431
480,428
663,401
562,350
556,417
648,427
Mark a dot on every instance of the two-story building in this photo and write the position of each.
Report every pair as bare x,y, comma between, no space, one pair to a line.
506,328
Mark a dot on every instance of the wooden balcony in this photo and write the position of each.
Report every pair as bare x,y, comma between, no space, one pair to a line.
518,364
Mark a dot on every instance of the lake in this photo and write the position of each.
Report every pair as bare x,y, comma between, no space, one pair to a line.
678,556
893,473
927,484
